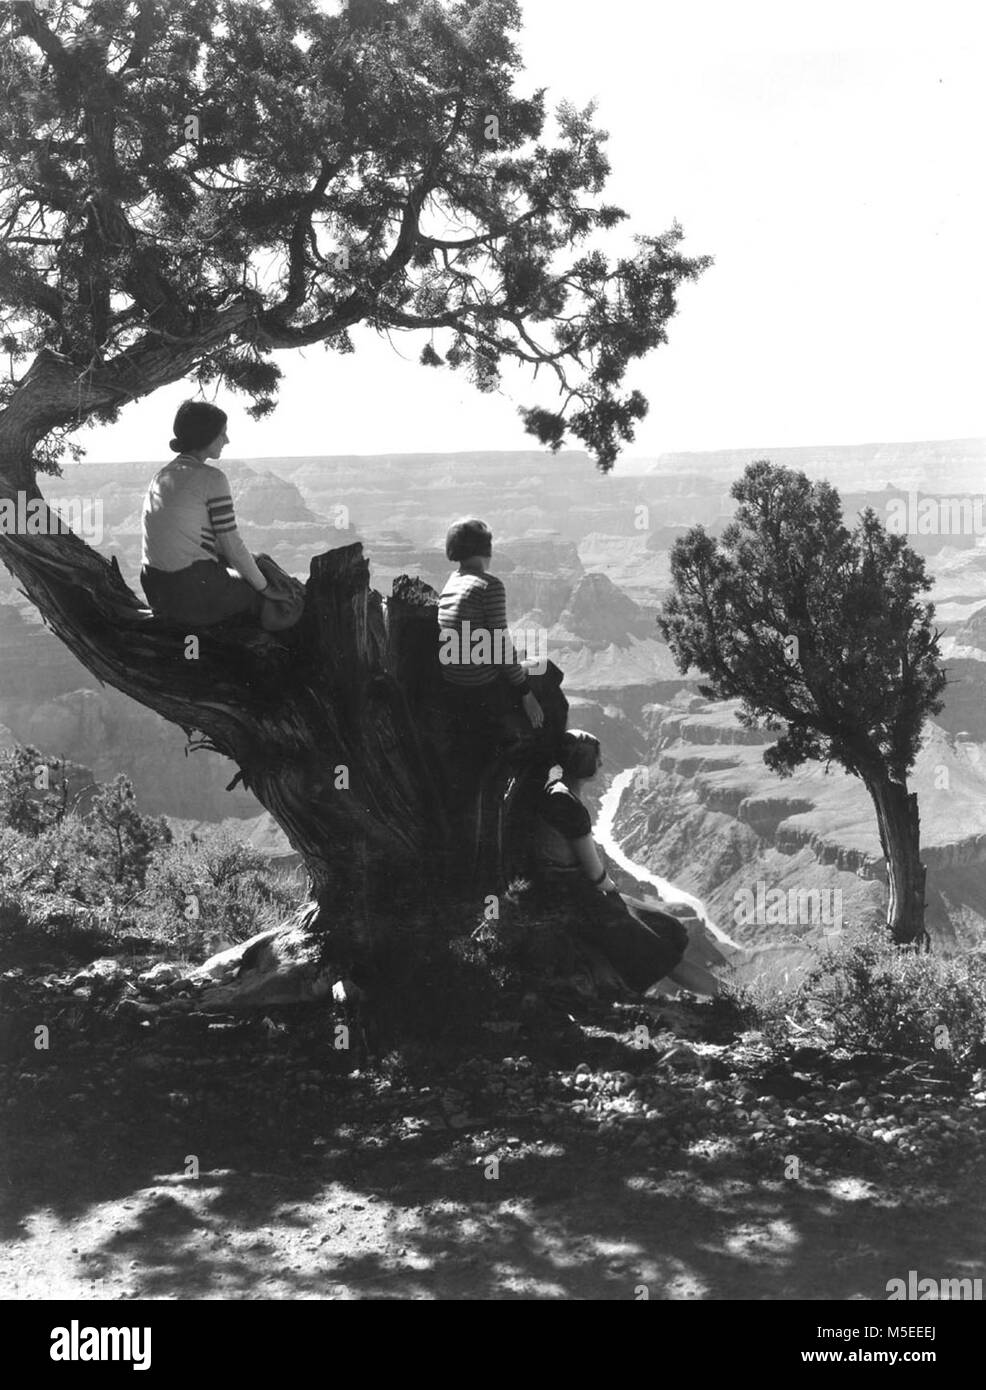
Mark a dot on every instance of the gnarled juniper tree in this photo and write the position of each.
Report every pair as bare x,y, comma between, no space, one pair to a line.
186,187
822,632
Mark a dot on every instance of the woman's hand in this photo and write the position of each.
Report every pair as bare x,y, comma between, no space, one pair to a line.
533,709
607,886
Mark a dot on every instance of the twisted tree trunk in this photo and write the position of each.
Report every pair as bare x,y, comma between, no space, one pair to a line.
336,727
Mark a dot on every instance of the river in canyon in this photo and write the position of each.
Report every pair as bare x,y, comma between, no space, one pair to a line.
779,965
666,890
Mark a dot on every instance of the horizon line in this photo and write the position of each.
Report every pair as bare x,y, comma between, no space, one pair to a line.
571,453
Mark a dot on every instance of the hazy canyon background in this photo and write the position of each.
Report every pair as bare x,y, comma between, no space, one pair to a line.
584,557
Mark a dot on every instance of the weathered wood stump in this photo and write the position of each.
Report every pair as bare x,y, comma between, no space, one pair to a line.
336,727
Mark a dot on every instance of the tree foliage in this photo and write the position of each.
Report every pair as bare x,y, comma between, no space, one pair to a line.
34,789
131,836
186,187
820,630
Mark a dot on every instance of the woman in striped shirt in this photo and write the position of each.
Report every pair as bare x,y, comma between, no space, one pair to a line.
484,685
189,531
484,681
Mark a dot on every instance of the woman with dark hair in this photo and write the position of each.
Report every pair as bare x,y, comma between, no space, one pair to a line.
190,537
644,943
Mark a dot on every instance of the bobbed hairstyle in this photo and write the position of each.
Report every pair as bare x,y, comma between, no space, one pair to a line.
467,538
196,424
578,753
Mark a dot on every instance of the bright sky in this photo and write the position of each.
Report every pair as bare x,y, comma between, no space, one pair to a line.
829,156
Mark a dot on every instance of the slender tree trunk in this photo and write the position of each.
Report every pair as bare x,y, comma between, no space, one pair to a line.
900,838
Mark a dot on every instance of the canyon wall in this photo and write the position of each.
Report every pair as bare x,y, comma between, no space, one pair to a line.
706,812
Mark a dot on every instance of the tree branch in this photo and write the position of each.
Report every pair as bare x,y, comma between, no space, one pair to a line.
143,36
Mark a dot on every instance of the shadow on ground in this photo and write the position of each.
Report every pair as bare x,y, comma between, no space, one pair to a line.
257,1170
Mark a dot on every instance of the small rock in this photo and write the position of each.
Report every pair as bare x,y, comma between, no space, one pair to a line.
164,973
105,969
683,1059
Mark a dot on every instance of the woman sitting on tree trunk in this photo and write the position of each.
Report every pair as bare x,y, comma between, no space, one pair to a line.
486,690
190,537
644,943
484,681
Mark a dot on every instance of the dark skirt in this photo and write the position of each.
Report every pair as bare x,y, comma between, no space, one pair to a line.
643,944
200,595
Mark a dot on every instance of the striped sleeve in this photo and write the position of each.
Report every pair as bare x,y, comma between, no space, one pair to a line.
495,605
219,504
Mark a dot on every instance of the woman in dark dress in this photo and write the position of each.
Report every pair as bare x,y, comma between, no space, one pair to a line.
644,943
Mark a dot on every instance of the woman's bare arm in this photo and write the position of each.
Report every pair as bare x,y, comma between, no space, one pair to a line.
592,866
229,542
235,553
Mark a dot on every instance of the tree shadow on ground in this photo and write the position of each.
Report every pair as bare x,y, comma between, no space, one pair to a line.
318,1185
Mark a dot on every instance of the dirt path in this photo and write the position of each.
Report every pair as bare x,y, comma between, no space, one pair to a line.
510,1177
430,1228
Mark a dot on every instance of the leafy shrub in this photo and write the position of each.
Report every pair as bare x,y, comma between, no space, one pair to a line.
755,1006
111,869
873,997
34,789
214,890
43,926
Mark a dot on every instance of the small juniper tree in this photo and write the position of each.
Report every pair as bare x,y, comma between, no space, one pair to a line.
821,631
131,837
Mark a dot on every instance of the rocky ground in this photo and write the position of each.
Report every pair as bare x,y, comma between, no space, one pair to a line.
572,1149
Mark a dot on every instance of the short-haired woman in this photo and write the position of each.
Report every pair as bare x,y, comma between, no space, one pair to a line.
190,535
644,943
484,675
486,690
